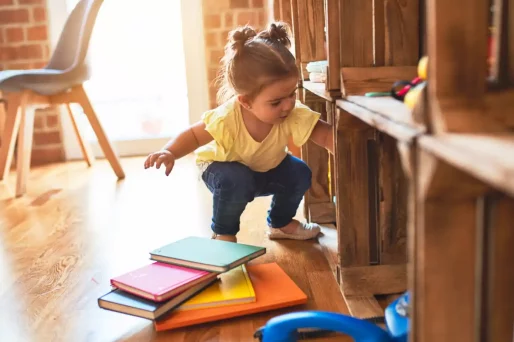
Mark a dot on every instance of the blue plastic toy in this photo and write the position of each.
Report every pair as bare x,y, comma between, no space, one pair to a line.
284,328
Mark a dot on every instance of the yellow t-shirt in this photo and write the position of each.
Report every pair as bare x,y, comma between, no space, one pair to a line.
232,142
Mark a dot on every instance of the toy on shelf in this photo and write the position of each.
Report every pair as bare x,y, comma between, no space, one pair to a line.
409,94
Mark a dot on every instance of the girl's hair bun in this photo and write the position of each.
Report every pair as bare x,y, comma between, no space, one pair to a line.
239,36
277,32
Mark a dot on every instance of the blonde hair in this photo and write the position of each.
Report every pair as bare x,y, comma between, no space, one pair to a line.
253,60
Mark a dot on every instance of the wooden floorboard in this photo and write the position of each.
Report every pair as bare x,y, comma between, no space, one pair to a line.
77,227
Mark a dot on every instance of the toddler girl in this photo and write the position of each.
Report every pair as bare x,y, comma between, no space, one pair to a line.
241,145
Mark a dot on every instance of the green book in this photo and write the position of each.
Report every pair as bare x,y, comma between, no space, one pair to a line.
206,254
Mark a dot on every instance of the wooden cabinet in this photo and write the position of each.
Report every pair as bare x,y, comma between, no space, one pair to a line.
424,197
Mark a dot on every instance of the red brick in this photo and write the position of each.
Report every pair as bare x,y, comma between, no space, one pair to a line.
262,19
229,20
37,33
39,14
12,16
45,138
32,51
39,65
224,36
6,2
8,53
239,4
212,93
44,155
212,39
14,34
31,2
52,121
247,17
18,66
213,72
39,122
257,3
215,56
212,21
46,51
215,6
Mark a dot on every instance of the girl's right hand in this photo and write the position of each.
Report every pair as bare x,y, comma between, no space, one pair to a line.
159,158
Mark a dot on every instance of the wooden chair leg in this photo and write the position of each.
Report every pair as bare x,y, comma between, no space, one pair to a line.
3,115
12,125
84,145
24,151
104,142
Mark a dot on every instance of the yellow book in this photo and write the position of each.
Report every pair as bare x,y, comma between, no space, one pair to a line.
233,287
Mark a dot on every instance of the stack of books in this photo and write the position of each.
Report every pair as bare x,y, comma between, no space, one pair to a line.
197,280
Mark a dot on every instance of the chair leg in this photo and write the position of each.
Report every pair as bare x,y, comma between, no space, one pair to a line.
104,142
11,128
3,114
84,145
24,152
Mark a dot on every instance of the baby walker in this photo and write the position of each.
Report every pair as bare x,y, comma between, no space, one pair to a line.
284,328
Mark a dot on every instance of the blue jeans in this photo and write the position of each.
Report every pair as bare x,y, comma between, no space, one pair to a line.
234,185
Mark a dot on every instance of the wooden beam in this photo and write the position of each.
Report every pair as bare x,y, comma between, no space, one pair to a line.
297,41
318,202
374,280
356,25
396,35
364,307
353,215
503,68
497,276
360,80
333,44
457,27
445,305
322,212
393,186
457,85
311,24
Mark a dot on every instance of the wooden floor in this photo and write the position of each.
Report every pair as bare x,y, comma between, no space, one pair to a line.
77,227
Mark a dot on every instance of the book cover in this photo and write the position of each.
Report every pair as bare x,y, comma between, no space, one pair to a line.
206,254
233,287
274,289
126,303
159,281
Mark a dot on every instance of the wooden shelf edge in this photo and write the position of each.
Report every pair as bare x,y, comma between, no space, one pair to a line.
322,212
399,129
364,307
359,285
489,158
319,90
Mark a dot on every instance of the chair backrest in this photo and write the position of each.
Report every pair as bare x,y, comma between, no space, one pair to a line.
73,43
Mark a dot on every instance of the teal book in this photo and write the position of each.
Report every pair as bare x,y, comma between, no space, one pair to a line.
206,254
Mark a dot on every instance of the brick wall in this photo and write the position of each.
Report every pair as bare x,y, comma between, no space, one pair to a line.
24,44
221,16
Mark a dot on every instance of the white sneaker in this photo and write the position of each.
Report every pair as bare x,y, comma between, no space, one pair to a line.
304,231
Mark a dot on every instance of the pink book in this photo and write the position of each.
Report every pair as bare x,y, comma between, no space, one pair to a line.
160,281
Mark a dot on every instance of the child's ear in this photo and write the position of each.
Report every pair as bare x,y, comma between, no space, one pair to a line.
244,101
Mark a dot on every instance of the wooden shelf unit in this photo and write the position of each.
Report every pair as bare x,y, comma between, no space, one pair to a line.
424,198
365,52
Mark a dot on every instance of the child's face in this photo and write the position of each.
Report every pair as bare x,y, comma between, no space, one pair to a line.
274,103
